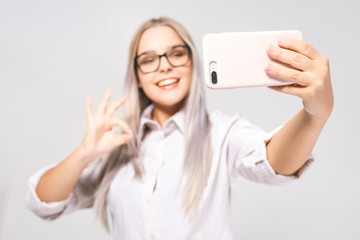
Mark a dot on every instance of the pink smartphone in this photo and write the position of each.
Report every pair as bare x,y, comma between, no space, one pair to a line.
233,60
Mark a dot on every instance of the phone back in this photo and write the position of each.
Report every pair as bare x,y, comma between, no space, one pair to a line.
234,60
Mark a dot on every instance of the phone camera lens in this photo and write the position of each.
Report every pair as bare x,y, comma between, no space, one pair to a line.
213,77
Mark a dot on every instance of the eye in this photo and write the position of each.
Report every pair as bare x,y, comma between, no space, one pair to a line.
177,53
147,59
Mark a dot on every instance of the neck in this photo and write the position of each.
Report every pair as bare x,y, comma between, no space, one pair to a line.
162,113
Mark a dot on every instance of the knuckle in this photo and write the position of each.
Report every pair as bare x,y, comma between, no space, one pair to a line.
297,59
326,61
312,64
276,71
277,53
323,71
295,76
306,47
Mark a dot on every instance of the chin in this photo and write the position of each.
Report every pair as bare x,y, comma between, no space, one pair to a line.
170,102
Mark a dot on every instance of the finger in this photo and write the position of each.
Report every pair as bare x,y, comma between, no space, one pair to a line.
123,138
291,58
115,105
299,46
89,110
122,124
101,108
288,74
295,90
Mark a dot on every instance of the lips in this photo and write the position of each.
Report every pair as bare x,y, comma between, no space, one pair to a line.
167,82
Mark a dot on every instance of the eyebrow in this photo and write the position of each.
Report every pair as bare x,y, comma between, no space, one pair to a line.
167,49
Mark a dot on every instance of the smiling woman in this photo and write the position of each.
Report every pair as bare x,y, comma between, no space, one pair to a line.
169,82
169,175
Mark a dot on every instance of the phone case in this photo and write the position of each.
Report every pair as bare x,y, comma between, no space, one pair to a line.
233,60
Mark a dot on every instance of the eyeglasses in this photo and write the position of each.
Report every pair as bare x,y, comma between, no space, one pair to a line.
177,56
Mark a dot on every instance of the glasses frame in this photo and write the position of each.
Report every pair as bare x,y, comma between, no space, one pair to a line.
163,55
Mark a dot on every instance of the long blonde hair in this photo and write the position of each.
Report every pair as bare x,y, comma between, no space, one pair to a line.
198,156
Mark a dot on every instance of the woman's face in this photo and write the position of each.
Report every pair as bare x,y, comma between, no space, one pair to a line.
167,86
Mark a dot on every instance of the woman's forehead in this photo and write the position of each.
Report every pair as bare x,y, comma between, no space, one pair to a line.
158,39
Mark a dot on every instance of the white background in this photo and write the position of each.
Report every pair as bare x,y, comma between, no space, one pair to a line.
54,54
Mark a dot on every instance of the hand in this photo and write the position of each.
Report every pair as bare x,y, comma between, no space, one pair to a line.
99,137
308,70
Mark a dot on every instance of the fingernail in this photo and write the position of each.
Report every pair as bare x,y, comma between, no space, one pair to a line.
269,68
270,49
281,41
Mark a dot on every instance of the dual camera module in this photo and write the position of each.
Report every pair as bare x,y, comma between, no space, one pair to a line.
213,74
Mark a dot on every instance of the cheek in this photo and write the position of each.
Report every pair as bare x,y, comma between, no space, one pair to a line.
144,79
188,75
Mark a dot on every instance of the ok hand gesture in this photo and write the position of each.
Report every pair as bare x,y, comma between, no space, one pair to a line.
99,137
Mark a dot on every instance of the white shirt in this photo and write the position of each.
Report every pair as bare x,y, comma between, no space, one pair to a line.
152,208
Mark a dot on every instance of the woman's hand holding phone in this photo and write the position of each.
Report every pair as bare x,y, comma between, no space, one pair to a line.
100,137
310,72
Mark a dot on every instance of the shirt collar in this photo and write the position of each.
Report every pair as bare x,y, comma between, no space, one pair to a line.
147,123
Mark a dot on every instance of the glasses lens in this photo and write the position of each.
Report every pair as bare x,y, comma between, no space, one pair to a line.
178,56
148,62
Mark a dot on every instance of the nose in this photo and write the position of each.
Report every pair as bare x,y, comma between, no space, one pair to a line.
164,64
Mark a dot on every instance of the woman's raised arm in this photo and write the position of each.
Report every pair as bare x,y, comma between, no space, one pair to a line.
288,150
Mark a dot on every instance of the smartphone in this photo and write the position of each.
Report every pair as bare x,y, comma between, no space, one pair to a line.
239,59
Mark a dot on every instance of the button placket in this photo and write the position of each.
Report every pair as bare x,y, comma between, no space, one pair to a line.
153,185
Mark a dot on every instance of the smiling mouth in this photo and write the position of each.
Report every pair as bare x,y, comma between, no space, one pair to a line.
167,82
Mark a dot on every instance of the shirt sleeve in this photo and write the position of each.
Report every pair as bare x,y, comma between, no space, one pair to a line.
81,197
246,155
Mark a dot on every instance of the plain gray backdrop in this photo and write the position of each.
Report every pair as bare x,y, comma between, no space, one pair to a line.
55,54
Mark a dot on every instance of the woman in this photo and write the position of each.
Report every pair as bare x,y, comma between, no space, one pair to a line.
168,175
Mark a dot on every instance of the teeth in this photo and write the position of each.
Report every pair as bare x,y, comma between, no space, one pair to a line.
167,82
